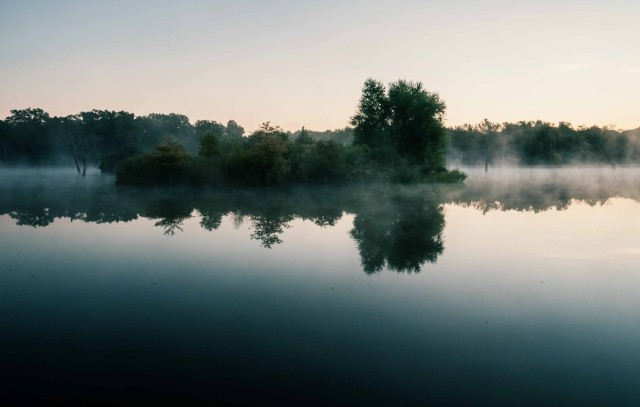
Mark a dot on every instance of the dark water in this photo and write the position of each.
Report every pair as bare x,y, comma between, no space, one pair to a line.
521,288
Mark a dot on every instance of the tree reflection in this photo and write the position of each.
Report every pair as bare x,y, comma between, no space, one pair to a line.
402,234
170,213
268,228
38,217
210,218
395,228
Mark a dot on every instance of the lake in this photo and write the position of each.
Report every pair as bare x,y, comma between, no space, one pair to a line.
521,287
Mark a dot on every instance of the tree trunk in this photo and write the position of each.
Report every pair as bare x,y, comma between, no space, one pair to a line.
75,156
84,164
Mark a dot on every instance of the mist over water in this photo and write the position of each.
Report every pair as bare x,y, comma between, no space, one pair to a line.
519,287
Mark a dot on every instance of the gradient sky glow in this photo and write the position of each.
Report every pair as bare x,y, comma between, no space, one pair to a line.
298,63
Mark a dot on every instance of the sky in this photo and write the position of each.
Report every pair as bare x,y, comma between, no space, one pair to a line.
303,63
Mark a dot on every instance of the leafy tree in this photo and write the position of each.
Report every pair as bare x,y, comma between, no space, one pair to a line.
29,116
324,162
209,146
28,134
109,131
267,155
157,126
203,127
371,121
488,141
234,130
416,124
403,122
168,154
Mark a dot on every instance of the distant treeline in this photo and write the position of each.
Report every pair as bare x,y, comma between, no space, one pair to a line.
541,143
397,136
33,137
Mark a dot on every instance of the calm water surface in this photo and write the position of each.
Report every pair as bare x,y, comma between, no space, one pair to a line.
520,288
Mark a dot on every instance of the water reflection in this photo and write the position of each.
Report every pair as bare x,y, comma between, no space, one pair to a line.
170,213
398,228
402,232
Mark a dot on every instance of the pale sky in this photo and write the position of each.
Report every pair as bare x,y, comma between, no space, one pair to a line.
303,63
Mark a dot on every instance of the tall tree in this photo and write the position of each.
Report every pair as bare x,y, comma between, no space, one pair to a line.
403,122
371,121
28,134
417,127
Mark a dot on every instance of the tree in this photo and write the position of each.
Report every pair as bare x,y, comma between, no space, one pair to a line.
110,131
4,133
234,130
203,127
417,129
324,162
488,141
28,134
209,146
169,153
404,122
371,121
267,156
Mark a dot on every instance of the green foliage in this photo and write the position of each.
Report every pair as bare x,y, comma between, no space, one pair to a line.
402,127
541,143
168,164
267,162
417,130
398,137
26,136
371,121
323,162
203,127
209,146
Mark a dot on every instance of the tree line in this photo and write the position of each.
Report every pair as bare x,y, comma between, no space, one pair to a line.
398,135
32,137
541,143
